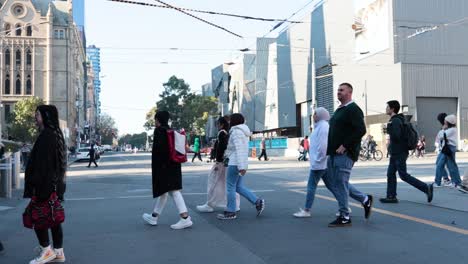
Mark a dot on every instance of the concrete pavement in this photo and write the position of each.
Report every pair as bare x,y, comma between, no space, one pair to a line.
104,224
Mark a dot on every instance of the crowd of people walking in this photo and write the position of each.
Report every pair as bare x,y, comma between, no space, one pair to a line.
333,147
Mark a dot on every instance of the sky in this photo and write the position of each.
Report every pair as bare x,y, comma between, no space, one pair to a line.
136,42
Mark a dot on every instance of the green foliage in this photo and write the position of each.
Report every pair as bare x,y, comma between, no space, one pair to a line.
188,110
136,140
149,124
23,127
107,129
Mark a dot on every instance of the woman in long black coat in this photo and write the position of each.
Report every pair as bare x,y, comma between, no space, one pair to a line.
167,176
45,174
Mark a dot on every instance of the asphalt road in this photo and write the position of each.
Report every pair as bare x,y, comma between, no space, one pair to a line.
104,225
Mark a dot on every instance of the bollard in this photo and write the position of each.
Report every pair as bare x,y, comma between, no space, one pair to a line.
5,177
16,170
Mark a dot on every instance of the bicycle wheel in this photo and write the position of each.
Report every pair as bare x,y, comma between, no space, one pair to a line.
378,155
363,155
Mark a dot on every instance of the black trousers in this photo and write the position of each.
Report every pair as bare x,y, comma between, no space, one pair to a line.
57,236
198,154
264,154
92,161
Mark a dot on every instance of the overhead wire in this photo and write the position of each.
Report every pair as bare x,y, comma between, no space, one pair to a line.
209,12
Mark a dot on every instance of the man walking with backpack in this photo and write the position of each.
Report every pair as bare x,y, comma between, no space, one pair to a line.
400,139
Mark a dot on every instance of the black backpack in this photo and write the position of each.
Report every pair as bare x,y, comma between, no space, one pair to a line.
410,135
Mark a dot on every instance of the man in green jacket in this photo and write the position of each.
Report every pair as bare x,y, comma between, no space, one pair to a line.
347,128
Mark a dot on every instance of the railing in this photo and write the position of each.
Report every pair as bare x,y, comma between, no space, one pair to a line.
10,167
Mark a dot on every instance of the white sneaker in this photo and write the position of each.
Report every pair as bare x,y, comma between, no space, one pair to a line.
438,185
183,223
60,256
302,213
453,185
338,213
447,183
46,255
205,208
150,219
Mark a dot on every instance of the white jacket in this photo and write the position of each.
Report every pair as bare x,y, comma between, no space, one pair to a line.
238,147
318,146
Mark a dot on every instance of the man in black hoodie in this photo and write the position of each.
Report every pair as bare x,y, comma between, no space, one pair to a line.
399,155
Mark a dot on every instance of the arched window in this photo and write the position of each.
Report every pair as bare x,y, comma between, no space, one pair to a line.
7,29
28,58
29,31
7,84
18,58
19,30
18,84
29,85
7,57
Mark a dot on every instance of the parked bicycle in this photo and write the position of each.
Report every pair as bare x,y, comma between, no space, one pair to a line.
370,154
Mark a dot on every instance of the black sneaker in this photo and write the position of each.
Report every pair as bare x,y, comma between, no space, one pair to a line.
227,216
368,206
1,248
463,188
260,206
389,200
341,221
430,192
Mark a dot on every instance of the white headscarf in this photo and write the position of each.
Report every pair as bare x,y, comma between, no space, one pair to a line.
322,114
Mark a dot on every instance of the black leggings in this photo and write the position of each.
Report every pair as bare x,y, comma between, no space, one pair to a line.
92,161
57,236
197,154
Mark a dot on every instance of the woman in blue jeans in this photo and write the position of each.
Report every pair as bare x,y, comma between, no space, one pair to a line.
448,136
237,153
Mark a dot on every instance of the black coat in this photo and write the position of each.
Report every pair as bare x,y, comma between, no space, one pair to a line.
221,145
167,175
43,171
398,145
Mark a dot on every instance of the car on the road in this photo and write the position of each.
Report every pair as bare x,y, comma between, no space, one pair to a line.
82,154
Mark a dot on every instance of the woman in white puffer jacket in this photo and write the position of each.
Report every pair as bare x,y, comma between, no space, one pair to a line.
237,154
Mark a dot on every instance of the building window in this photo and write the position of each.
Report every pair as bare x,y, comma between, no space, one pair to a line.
7,113
18,84
7,29
29,85
7,84
19,30
7,57
29,31
28,58
18,58
59,34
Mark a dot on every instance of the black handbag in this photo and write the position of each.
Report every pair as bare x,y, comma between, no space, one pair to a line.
446,149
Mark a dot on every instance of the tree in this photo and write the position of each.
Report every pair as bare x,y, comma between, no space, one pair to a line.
188,110
107,129
23,127
136,140
149,124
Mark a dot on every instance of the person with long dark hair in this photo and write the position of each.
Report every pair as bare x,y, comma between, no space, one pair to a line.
237,154
167,176
45,181
216,193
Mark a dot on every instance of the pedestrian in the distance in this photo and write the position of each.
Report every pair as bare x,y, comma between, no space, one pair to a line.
216,193
448,137
167,176
237,153
443,173
347,128
196,150
45,185
399,154
306,147
92,156
263,149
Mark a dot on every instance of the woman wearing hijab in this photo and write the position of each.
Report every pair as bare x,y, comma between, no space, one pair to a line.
216,197
45,181
196,150
167,176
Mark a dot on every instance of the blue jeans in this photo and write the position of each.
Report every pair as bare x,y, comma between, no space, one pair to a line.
314,178
339,172
234,183
444,174
452,166
398,163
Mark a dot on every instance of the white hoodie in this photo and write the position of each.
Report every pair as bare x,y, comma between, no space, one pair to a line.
238,147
